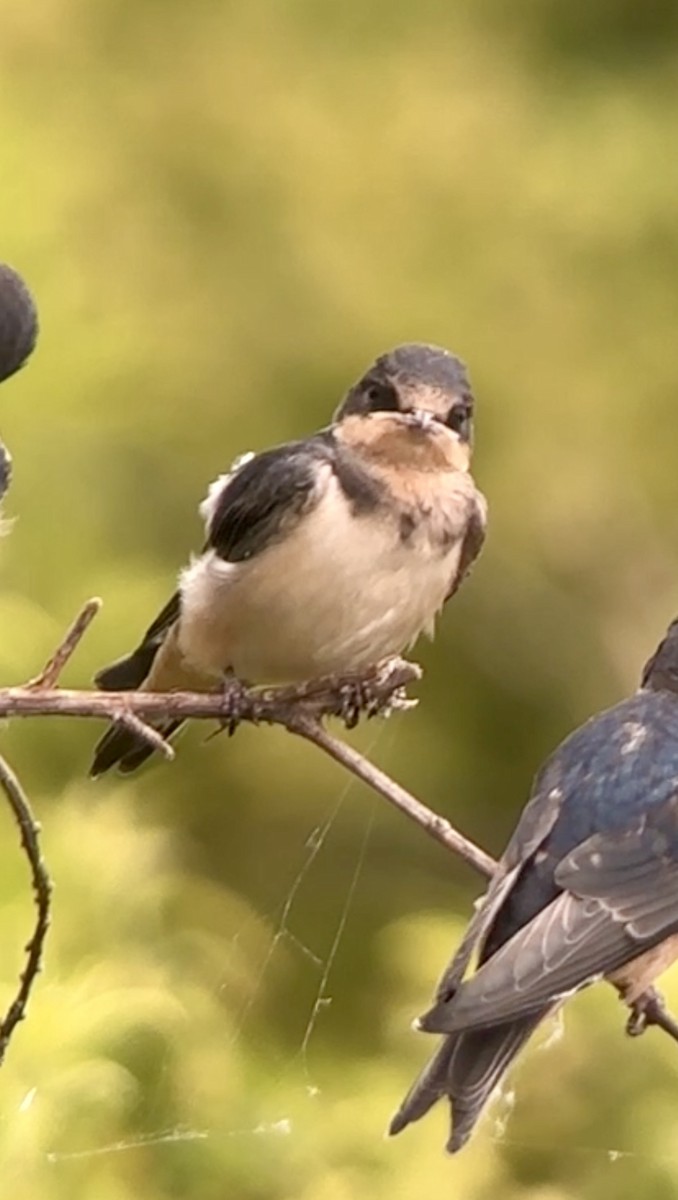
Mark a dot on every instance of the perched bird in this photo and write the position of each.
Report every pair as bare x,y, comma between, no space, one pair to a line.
586,889
18,334
324,555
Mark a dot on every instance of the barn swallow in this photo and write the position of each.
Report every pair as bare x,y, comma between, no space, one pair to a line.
587,889
324,555
18,334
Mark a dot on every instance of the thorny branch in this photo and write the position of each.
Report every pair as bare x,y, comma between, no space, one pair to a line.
299,709
42,889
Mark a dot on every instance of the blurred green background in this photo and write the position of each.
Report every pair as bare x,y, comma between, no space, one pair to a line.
225,211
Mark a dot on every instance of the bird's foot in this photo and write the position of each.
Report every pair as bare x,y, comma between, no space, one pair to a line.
239,702
363,696
650,1009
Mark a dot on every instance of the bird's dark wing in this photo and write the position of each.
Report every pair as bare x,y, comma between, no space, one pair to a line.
472,543
538,818
265,497
619,898
257,502
486,910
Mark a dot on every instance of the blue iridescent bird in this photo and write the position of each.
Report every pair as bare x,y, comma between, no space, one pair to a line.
587,889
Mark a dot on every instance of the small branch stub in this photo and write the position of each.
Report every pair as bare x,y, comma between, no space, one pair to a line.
50,673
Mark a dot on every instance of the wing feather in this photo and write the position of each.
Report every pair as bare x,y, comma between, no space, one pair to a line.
264,497
620,898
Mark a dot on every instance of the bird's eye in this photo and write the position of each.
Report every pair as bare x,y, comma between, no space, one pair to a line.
460,421
381,396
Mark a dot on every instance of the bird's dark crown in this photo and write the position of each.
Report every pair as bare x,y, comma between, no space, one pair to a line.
414,377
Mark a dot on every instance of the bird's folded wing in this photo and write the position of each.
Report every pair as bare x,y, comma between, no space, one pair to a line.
264,498
620,898
537,821
486,910
472,544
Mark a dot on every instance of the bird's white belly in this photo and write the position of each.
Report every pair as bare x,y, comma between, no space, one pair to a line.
337,594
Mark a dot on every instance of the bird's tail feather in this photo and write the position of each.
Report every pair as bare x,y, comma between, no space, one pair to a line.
120,746
128,673
156,665
467,1068
127,750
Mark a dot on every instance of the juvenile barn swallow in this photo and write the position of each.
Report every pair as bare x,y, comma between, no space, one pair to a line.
18,334
325,555
587,889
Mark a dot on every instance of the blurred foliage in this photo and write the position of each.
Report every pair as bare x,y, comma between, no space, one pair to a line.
226,209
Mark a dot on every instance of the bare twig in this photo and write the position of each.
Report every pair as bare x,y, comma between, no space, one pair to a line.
433,824
42,889
52,670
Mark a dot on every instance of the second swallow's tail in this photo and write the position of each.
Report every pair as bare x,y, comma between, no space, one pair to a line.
466,1068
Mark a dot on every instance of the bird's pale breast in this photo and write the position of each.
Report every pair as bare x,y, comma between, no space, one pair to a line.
338,593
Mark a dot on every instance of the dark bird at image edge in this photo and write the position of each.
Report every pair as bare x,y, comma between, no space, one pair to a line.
587,888
18,335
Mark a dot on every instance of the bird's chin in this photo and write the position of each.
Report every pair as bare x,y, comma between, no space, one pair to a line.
392,438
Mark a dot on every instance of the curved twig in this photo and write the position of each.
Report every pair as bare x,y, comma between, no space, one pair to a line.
42,890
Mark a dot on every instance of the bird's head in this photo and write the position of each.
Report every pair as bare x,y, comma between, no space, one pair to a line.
414,403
